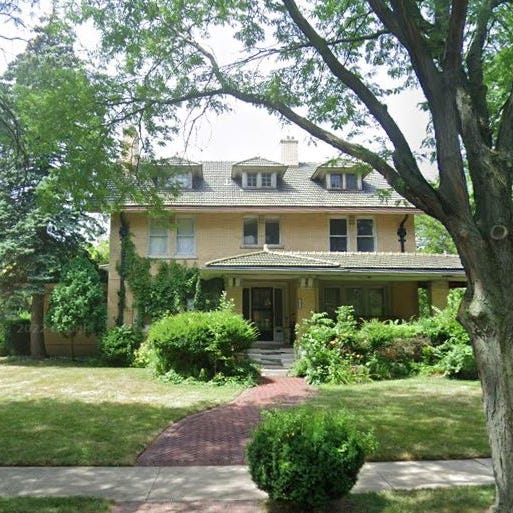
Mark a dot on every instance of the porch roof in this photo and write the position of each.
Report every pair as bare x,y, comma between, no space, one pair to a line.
342,262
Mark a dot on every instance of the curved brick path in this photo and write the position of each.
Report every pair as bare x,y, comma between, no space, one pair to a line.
219,436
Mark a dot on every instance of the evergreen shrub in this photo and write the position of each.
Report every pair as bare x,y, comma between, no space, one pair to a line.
118,345
306,457
202,345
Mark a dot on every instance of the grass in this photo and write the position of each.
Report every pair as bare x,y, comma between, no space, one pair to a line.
53,505
56,413
470,499
417,418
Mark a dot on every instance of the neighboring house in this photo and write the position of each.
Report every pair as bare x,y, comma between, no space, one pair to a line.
291,238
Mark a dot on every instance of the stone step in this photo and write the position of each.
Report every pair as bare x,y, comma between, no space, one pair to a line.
275,361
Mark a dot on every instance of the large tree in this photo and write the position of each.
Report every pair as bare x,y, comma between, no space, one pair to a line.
329,66
59,160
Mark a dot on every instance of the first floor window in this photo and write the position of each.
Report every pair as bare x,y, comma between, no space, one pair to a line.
365,235
367,302
272,231
185,240
250,235
158,239
332,300
338,235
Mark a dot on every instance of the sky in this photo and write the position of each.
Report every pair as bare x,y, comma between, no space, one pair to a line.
246,131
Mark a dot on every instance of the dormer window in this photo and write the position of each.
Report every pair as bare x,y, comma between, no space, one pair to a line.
267,179
259,180
183,180
344,181
258,173
251,179
335,181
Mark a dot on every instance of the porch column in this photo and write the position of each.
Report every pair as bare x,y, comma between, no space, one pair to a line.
233,286
438,291
307,295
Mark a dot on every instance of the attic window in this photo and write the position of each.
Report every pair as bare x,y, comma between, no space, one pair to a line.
183,180
260,180
344,181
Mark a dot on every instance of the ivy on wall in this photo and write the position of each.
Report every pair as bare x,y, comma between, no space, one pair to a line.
174,288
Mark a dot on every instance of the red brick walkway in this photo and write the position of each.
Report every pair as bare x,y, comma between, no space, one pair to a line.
219,436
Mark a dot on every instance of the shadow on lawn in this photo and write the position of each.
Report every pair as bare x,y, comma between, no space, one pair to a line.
474,499
57,432
419,424
27,361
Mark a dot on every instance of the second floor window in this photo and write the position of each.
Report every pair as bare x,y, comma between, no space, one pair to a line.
250,234
272,231
158,239
365,235
338,234
185,238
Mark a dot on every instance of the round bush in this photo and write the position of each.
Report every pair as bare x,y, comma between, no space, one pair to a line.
118,345
307,457
201,345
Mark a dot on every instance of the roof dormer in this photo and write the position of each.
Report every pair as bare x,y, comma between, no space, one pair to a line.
258,173
342,174
177,172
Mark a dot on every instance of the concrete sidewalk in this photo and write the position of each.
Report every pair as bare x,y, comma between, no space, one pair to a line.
226,483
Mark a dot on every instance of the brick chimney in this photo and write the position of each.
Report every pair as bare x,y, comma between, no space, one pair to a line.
289,154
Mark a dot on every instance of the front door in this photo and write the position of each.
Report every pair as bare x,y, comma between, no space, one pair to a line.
262,311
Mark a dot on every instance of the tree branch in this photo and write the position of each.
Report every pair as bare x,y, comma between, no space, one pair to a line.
505,134
454,42
474,61
403,157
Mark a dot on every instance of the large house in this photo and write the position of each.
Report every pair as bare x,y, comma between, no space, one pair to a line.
288,238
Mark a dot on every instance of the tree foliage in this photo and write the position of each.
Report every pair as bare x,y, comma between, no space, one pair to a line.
329,66
77,303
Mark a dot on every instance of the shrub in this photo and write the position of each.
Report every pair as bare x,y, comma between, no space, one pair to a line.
200,344
16,335
326,349
306,457
117,347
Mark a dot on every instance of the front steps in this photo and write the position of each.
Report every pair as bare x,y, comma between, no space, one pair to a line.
273,361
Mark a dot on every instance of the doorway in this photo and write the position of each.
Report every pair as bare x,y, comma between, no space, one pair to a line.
264,307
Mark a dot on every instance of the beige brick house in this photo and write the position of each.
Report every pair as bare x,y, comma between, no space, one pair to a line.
289,238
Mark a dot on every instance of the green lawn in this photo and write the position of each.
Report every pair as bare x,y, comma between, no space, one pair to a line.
418,418
55,413
463,499
53,505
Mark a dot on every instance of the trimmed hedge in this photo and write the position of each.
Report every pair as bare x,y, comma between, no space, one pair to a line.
307,457
202,345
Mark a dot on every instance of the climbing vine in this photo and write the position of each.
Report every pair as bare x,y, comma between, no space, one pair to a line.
172,289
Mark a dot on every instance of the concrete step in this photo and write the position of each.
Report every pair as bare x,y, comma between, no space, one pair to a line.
275,361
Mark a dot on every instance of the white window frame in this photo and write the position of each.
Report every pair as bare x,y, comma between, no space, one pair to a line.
348,239
250,218
191,254
259,185
273,220
343,181
156,224
374,231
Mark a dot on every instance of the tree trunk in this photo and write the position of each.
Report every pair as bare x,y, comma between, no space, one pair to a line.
37,339
491,332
